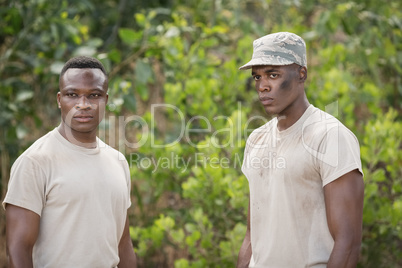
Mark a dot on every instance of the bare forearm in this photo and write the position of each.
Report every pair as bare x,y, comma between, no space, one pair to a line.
344,256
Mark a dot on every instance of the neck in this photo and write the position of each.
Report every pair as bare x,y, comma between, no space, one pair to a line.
290,116
83,139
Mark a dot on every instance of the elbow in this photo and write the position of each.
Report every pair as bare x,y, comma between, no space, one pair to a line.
354,250
19,257
351,245
348,242
349,249
353,254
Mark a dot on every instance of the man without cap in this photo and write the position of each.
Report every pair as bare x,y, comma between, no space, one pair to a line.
68,193
303,168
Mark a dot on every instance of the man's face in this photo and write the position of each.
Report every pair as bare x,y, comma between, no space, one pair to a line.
82,100
278,87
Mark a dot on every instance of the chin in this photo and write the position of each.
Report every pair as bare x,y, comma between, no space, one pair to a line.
83,128
271,111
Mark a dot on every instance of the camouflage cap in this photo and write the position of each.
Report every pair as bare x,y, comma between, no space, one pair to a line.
281,48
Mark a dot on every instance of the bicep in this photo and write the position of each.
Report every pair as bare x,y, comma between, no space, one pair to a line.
125,240
126,231
22,228
126,250
344,205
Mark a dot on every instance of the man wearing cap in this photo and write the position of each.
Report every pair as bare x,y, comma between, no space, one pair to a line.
303,168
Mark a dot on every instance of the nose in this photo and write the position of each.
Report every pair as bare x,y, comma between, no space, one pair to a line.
83,103
263,86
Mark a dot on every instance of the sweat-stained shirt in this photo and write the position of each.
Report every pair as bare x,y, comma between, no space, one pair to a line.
287,171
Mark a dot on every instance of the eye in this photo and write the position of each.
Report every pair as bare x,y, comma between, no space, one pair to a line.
95,95
71,95
273,75
257,77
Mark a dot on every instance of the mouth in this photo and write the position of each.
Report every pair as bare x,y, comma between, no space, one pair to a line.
266,101
83,118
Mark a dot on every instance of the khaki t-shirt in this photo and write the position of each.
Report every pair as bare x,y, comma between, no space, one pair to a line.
287,171
81,195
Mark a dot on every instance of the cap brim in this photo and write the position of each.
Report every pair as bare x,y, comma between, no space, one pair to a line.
259,62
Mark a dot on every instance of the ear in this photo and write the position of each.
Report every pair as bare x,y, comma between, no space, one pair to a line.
58,99
302,74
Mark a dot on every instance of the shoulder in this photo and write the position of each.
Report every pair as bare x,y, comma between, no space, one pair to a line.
321,125
35,161
42,149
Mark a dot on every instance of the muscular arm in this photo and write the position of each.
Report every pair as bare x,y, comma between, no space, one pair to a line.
245,251
22,228
344,208
126,251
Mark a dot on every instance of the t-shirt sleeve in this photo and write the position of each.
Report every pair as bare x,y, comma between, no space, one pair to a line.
26,187
339,154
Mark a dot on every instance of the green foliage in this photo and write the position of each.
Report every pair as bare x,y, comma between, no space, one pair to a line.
189,195
382,159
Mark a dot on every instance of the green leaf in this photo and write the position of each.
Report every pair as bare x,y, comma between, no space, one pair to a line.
21,131
379,175
140,18
24,95
95,42
142,91
129,102
56,67
115,55
181,263
143,72
129,36
85,51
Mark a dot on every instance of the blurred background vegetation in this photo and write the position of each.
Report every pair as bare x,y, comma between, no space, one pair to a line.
187,53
